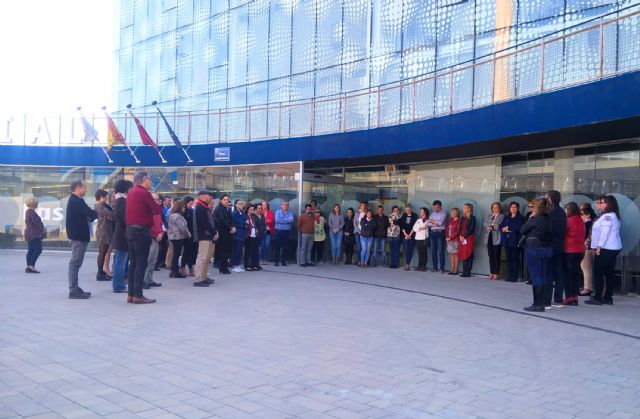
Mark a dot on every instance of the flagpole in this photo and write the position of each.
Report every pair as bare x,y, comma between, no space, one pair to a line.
125,144
155,146
106,153
189,160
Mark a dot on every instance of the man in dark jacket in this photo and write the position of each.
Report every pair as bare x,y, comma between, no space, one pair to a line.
556,264
204,233
224,225
380,235
119,243
77,220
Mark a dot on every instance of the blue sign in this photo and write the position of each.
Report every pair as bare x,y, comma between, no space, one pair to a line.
221,154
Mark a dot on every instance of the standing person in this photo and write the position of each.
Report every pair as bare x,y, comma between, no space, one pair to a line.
119,242
573,253
270,221
167,204
336,233
555,286
178,234
452,236
437,225
104,232
467,235
538,250
141,207
406,225
251,251
349,238
240,223
606,244
492,238
393,235
157,232
380,236
510,228
421,228
190,249
205,231
306,225
283,224
34,232
588,216
319,236
77,220
362,211
223,223
261,221
164,243
367,227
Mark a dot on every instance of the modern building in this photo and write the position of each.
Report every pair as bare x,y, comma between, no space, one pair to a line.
344,100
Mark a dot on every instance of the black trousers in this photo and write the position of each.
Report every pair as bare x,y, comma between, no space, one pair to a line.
467,265
573,275
222,252
139,242
282,246
513,263
554,288
348,253
189,253
494,257
603,267
177,250
423,254
102,255
163,247
317,250
251,253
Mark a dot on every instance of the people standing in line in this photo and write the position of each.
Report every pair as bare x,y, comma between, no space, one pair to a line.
239,237
319,236
178,234
223,224
362,212
406,225
510,238
421,229
492,238
437,224
283,224
163,248
367,227
265,246
349,238
306,224
452,236
588,216
157,232
190,249
573,253
77,220
34,232
380,236
538,244
141,207
104,233
555,287
251,251
336,233
606,244
205,232
467,236
119,242
261,222
393,235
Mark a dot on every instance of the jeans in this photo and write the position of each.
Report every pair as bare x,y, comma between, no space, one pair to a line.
494,257
513,263
437,248
336,243
304,252
555,279
78,249
236,257
379,245
265,247
139,242
34,247
120,259
408,244
282,246
177,250
151,262
538,259
423,253
163,247
365,249
572,274
251,253
394,252
603,267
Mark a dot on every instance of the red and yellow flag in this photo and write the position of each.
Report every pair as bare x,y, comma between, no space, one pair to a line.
113,135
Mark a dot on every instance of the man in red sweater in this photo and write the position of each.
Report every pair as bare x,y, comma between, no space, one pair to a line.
141,207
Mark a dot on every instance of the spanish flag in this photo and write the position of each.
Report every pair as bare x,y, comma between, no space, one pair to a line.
113,135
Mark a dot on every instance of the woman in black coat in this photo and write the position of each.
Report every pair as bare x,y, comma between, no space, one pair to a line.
224,225
537,241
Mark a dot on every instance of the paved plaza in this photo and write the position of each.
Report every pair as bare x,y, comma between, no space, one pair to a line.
321,342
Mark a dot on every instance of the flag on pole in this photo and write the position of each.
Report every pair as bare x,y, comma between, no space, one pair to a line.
172,133
91,134
144,135
114,136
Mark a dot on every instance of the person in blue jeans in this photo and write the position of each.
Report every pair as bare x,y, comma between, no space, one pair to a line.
240,223
367,226
437,223
408,235
283,224
336,224
380,235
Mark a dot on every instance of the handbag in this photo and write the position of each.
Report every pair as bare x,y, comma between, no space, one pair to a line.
522,241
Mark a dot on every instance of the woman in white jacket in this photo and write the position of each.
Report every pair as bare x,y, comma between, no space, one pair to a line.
421,228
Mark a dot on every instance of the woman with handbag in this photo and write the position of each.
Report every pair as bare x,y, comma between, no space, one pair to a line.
467,234
452,236
536,233
510,228
492,238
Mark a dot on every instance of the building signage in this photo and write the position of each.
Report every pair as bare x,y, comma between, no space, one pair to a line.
221,154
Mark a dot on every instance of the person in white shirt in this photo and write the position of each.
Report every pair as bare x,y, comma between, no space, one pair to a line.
437,223
421,228
606,244
362,212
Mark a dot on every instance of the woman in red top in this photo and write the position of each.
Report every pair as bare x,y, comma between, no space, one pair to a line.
452,236
467,229
573,253
265,246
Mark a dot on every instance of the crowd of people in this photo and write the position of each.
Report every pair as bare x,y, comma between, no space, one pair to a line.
569,252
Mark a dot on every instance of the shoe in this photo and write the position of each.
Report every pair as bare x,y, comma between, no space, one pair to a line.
452,273
528,282
79,295
120,291
594,302
156,269
556,304
202,283
442,271
161,265
547,307
191,272
209,281
585,293
465,275
407,268
102,277
303,265
608,301
311,264
241,269
284,263
155,284
276,264
142,300
146,286
569,302
225,272
177,275
534,308
129,299
259,268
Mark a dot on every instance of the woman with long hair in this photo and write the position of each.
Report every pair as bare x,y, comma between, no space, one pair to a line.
467,229
510,229
336,225
349,238
265,242
104,234
538,250
178,233
421,228
492,238
573,253
588,216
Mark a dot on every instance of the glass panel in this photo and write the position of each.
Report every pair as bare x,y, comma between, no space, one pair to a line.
303,56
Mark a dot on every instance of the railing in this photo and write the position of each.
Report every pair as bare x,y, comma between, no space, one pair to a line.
606,48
